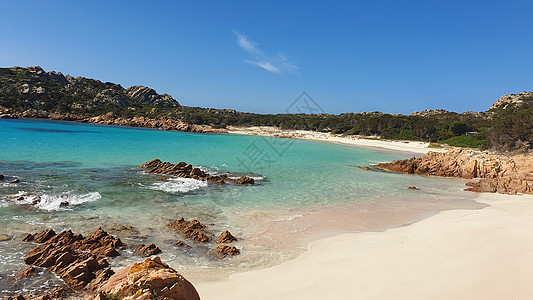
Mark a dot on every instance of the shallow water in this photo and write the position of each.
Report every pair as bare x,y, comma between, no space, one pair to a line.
85,176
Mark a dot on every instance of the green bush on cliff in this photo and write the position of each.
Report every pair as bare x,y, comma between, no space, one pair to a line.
467,141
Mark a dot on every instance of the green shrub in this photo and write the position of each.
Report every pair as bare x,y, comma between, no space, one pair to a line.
467,141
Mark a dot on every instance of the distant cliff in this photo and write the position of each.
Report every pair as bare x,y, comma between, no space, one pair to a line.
33,88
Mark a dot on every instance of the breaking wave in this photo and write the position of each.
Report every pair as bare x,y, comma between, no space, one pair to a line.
51,202
179,185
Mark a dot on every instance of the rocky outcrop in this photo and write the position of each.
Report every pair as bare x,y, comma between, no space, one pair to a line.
185,170
150,279
148,96
32,87
110,97
429,112
225,237
79,261
192,230
512,100
498,173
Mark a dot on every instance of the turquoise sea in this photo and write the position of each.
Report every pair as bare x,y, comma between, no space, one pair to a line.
85,176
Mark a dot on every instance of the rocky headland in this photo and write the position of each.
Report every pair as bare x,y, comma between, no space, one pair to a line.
496,172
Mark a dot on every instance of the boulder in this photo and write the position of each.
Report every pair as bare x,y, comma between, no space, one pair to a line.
150,279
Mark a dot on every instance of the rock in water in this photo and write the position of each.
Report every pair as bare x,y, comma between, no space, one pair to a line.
224,250
225,237
185,170
244,180
193,230
150,279
181,244
414,188
147,250
25,273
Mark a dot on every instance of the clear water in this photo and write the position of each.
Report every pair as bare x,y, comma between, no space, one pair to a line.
93,168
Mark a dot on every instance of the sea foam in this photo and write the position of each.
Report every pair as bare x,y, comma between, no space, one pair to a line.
179,185
51,202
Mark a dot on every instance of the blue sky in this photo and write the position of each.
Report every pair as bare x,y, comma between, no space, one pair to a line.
350,56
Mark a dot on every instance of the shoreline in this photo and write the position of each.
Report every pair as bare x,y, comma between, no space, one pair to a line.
418,148
458,254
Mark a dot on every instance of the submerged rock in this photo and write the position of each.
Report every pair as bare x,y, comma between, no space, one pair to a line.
150,279
26,272
55,294
181,244
4,237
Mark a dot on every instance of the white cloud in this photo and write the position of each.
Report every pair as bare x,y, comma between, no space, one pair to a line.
246,44
265,65
276,64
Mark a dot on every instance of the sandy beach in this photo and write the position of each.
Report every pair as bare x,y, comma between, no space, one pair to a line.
407,146
458,254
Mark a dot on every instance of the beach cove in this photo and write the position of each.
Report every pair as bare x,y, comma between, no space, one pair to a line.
311,191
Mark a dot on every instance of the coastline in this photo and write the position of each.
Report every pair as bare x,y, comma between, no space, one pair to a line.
333,248
459,254
418,148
